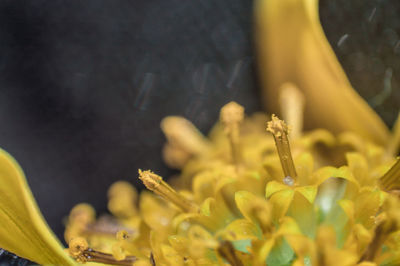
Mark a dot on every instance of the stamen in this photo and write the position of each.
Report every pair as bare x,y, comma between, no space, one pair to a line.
291,101
393,145
81,217
181,133
184,141
391,180
231,115
375,245
155,183
227,251
174,156
279,130
79,250
386,226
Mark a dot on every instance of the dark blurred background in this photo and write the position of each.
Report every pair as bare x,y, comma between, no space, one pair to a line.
85,84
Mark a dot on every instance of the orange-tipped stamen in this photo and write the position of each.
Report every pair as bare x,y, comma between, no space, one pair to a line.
231,115
156,184
279,130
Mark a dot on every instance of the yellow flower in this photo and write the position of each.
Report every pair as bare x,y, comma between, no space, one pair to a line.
245,196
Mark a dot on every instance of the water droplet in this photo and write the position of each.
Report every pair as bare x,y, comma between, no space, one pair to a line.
288,180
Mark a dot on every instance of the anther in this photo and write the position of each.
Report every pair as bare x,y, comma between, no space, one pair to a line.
155,183
231,115
279,130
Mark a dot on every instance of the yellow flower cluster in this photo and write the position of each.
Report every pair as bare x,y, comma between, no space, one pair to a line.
243,199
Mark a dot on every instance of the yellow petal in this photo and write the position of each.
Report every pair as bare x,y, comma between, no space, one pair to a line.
292,48
23,230
261,250
308,192
303,212
255,209
363,237
171,256
203,185
304,168
367,263
155,212
393,242
302,246
243,199
215,214
367,206
324,173
348,208
155,243
273,187
358,165
281,201
288,226
179,243
240,229
272,165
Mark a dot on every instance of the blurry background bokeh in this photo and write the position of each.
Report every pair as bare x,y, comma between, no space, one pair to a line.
85,84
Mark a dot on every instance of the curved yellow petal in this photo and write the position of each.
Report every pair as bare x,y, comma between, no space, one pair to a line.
308,192
274,187
261,250
292,48
23,230
348,208
240,229
324,173
281,201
